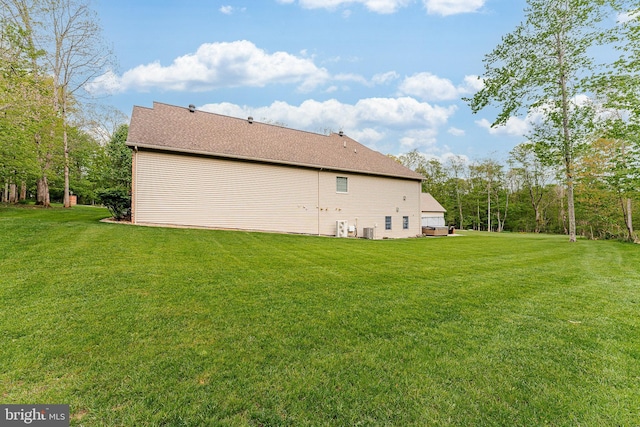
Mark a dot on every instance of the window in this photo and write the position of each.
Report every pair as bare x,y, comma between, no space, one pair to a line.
405,222
387,223
342,184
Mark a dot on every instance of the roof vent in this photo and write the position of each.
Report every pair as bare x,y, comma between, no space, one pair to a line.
250,119
192,108
341,133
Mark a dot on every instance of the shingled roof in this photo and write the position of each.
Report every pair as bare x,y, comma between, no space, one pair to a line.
178,129
429,204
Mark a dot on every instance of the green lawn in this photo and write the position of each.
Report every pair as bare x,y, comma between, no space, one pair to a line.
140,326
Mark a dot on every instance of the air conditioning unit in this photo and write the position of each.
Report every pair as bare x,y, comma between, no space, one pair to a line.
342,229
367,232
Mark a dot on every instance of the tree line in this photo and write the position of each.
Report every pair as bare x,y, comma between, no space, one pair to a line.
524,194
55,142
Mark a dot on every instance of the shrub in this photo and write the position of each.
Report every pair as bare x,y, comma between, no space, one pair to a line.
118,201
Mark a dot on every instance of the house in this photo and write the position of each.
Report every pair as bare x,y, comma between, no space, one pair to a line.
194,168
432,211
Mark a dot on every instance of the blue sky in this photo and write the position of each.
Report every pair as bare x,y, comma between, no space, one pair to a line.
389,73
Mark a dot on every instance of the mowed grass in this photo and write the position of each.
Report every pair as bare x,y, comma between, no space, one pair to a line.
140,326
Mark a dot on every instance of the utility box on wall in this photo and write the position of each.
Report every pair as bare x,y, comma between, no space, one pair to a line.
342,229
368,232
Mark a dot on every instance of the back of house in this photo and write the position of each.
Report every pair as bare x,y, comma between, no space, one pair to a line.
194,168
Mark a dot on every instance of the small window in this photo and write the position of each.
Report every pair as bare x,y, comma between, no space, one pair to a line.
342,184
405,222
387,223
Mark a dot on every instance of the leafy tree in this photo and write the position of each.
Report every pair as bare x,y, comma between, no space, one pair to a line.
544,66
76,54
27,145
63,37
608,178
456,168
85,155
118,170
113,174
533,177
619,92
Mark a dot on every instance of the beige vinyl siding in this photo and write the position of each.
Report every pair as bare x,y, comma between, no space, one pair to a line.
207,192
176,189
367,202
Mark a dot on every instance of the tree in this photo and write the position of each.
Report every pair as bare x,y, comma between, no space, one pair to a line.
102,121
119,160
619,93
609,173
488,177
114,175
35,113
76,55
27,145
457,167
532,176
544,66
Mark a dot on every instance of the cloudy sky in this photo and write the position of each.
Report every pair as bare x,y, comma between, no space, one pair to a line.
389,73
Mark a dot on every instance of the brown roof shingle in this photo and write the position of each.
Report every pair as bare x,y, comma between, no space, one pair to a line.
428,203
171,128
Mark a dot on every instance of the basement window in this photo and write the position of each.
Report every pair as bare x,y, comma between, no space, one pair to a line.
342,184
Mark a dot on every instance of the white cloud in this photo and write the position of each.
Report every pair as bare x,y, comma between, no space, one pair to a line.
418,138
385,78
515,126
472,84
433,88
377,79
404,111
351,78
452,7
217,65
227,10
367,136
368,121
456,132
627,16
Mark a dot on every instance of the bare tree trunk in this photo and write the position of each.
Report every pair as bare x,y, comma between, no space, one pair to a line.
460,210
13,193
536,209
506,211
628,219
562,214
42,193
489,209
5,192
23,191
66,200
572,211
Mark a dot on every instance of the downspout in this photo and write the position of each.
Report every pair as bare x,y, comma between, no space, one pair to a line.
318,204
134,158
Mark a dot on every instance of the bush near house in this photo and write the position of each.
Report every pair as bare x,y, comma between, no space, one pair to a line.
117,201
